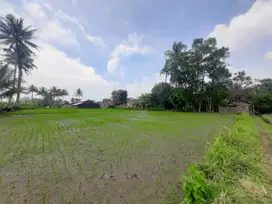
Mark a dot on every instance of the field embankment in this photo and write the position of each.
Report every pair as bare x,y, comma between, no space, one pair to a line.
235,168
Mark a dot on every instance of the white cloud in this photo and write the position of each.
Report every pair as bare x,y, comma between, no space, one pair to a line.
65,17
34,10
254,24
268,55
6,8
50,29
56,68
96,40
126,48
113,64
67,73
53,31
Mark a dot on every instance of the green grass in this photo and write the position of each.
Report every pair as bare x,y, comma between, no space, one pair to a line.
100,155
235,167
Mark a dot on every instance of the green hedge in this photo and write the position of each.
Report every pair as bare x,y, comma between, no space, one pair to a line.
233,157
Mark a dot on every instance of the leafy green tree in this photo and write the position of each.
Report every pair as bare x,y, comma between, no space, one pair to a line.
119,97
199,70
160,94
144,101
18,40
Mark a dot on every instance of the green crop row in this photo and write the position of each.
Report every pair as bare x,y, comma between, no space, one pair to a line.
231,170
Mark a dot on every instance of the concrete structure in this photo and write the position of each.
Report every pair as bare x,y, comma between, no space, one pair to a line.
237,107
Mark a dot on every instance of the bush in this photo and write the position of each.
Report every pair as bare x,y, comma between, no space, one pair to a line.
195,187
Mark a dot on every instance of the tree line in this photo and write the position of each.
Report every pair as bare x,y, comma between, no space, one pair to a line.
52,96
200,81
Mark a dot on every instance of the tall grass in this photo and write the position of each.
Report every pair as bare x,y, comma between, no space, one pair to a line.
231,170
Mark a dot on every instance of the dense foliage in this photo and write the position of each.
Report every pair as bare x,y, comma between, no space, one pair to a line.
119,97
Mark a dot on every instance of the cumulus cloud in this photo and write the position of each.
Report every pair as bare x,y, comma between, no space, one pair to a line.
254,24
50,29
126,48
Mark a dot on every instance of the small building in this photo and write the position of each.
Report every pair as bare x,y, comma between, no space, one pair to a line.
132,102
86,104
105,103
237,107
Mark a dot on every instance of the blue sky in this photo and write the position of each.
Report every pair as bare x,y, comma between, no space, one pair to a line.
107,44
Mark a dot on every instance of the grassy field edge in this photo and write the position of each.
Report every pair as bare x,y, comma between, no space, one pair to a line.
231,171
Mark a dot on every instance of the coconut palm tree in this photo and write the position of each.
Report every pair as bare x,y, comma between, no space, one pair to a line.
18,41
42,91
174,61
5,82
32,89
54,92
64,92
79,93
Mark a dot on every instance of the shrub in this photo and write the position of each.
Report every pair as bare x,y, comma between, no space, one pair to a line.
195,187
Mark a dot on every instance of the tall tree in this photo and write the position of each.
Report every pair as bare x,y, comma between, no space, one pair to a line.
54,92
175,62
64,92
79,93
32,89
19,42
193,69
42,91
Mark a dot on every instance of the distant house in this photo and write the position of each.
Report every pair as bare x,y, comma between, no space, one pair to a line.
132,102
86,104
105,103
237,107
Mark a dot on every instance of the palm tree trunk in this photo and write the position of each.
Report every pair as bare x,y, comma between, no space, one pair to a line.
32,97
14,83
19,86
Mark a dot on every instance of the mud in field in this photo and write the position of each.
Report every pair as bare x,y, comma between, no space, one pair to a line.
96,177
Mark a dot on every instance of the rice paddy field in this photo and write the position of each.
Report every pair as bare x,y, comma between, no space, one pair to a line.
100,155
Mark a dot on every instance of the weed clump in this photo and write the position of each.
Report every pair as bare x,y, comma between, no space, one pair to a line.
234,155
